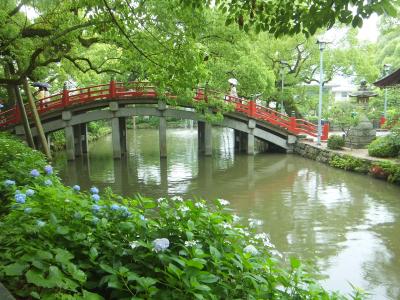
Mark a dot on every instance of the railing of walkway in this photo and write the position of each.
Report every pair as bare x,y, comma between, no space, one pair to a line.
120,90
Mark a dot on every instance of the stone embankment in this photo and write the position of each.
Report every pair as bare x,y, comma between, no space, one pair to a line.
356,160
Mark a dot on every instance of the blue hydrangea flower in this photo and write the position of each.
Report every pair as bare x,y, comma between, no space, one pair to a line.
96,208
48,169
1,106
9,182
95,197
40,223
76,188
48,182
27,210
95,220
115,207
94,190
160,244
20,198
30,192
142,218
35,173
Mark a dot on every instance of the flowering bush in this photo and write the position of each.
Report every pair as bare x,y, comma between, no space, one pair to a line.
62,243
57,242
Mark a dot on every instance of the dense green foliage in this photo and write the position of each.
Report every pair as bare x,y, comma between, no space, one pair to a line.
60,243
349,163
383,147
15,160
335,142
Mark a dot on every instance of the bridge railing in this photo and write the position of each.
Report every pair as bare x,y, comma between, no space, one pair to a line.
115,89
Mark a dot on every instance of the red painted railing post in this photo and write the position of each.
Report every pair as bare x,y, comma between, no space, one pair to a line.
65,96
113,88
252,108
293,123
382,121
17,114
325,132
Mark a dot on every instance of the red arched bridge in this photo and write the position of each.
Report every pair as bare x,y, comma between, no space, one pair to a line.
71,109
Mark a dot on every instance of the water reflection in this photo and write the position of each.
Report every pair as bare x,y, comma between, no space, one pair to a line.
347,224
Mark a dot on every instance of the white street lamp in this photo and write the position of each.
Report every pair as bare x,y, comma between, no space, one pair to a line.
283,64
321,45
386,70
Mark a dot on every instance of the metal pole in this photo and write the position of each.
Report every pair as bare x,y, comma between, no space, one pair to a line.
36,119
283,74
321,79
385,104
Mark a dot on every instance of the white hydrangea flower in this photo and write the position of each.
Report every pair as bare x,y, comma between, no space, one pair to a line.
159,200
184,208
177,198
250,249
199,205
227,226
134,244
276,253
160,244
223,202
254,222
191,243
236,218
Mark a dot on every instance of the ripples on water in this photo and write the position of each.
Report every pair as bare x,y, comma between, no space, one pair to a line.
346,224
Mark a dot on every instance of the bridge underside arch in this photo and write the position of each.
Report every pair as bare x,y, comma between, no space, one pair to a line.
243,124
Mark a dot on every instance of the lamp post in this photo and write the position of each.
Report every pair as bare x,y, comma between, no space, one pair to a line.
386,70
283,63
321,45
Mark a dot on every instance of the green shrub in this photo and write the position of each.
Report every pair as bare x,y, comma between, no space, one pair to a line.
383,147
335,142
392,170
349,163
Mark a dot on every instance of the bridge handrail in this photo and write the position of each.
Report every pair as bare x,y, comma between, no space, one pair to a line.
115,89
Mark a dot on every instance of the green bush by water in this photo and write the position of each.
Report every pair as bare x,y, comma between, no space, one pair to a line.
383,147
58,242
335,142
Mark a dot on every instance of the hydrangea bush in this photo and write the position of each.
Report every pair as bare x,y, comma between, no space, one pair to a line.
60,242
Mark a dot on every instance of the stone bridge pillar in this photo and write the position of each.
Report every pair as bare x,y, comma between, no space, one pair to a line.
250,137
204,138
69,135
162,129
118,135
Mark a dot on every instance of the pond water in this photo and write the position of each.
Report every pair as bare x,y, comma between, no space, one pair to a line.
348,225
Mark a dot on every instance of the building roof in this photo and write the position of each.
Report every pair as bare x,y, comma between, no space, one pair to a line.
390,80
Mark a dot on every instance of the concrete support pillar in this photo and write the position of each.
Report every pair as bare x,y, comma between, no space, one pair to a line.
162,130
250,138
116,137
200,136
70,142
116,131
69,135
208,139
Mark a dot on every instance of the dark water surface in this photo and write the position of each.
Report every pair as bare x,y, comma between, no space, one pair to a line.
346,224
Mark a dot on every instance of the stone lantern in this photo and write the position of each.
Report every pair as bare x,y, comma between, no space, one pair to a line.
364,133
